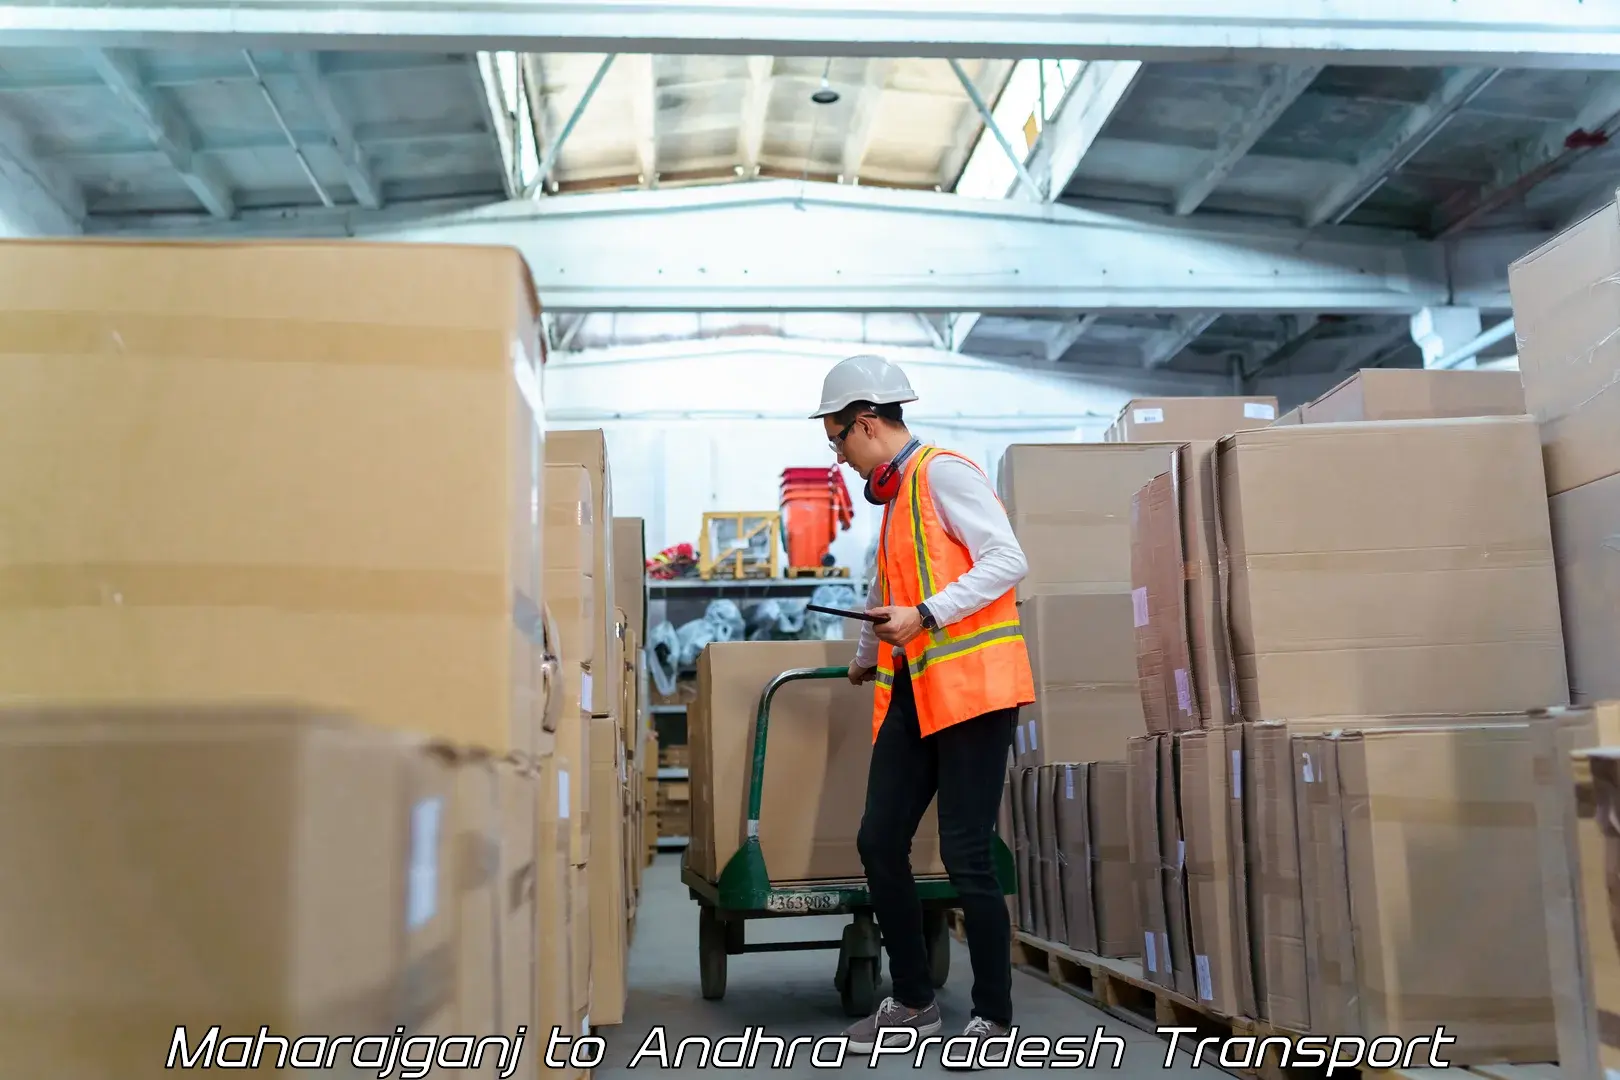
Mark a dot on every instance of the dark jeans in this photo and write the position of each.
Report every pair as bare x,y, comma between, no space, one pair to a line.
966,765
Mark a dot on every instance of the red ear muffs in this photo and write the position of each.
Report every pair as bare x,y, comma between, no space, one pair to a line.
884,485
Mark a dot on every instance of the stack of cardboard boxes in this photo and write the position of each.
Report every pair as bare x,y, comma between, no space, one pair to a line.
1340,624
1071,506
1566,307
236,476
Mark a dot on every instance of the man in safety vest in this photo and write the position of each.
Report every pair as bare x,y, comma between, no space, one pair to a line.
951,672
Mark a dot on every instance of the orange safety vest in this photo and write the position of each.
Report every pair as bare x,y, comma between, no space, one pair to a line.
967,669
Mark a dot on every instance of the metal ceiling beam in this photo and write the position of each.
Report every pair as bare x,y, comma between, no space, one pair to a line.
32,190
1166,347
167,130
370,134
782,245
210,70
1282,87
756,110
1068,136
863,124
643,79
961,327
1016,157
1398,146
1555,33
1058,345
1560,146
356,169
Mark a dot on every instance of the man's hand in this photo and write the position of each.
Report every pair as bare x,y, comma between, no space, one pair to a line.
859,674
900,624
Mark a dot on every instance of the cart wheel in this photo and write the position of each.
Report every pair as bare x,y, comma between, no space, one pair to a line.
859,990
711,953
938,934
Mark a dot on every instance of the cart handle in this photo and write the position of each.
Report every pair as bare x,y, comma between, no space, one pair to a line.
762,723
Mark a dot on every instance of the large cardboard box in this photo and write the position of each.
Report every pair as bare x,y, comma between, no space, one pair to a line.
817,755
1210,792
1425,865
1070,504
1585,522
476,825
217,866
292,471
554,962
518,1004
1566,319
1418,394
1159,609
1158,861
630,571
1100,913
1281,947
609,897
1083,656
589,449
1572,853
1048,855
1390,567
1182,419
1595,776
1214,679
1028,917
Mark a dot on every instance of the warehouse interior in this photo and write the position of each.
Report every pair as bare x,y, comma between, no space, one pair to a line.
1131,257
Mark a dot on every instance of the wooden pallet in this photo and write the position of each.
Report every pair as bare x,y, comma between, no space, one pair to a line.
818,571
1121,989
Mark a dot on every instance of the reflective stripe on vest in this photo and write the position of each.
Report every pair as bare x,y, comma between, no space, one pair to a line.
958,672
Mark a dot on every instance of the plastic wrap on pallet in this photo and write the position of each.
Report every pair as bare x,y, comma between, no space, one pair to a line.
664,657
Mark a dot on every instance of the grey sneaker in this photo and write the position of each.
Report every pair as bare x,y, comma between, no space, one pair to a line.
864,1035
978,1029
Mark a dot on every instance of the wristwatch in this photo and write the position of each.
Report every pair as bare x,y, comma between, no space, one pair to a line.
928,620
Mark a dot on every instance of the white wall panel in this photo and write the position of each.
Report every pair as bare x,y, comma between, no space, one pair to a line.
701,426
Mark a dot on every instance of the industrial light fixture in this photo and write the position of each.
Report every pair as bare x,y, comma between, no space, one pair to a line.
826,95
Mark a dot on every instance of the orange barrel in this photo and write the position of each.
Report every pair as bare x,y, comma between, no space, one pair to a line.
815,503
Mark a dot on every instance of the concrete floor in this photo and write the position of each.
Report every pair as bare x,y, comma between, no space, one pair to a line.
791,995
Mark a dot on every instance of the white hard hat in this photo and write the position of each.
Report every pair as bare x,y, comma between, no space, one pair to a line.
863,378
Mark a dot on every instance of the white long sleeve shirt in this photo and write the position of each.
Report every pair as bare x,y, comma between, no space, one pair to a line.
973,516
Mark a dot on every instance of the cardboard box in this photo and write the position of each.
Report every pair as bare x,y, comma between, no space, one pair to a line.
1584,524
1429,848
1070,505
1296,415
582,917
1581,944
518,1004
1181,419
302,471
1023,843
1100,913
1159,609
475,821
1083,656
1566,318
1390,567
570,547
130,908
1210,790
589,449
1418,394
609,899
1204,624
1148,857
818,753
1282,950
1596,778
1054,926
554,967
1173,853
630,571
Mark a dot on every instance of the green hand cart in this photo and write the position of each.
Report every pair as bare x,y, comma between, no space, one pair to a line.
745,892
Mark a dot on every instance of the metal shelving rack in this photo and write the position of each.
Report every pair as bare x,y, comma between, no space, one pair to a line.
693,591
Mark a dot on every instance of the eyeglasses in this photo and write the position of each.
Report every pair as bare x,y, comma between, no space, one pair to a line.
837,441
